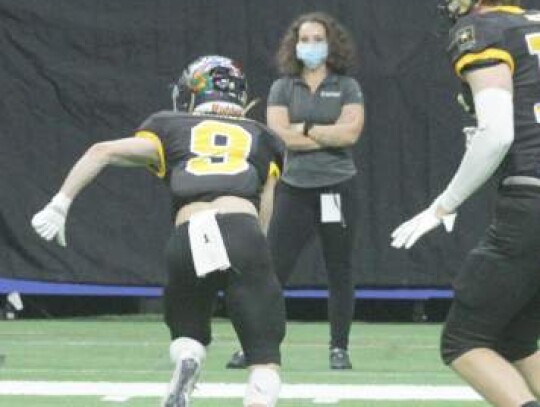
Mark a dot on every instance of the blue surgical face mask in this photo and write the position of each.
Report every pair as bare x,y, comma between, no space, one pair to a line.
312,54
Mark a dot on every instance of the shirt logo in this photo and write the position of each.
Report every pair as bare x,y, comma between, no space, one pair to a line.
330,94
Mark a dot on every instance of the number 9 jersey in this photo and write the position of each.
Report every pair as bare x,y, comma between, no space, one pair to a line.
511,35
203,157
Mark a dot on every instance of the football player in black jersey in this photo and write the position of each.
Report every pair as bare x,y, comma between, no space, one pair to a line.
221,170
491,333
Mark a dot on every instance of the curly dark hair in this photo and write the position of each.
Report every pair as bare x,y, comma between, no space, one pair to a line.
341,49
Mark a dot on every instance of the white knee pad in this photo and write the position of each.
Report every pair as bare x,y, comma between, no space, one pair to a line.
184,348
262,388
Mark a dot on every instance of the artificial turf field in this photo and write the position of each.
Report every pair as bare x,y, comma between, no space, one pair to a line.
123,361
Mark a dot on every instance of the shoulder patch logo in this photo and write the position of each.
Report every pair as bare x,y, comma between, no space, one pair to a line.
465,38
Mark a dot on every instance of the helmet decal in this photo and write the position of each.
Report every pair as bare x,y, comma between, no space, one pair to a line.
199,82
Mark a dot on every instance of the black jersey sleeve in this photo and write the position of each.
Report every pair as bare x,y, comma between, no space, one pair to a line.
156,128
477,41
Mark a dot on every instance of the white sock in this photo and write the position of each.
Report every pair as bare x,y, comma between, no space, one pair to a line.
263,387
185,348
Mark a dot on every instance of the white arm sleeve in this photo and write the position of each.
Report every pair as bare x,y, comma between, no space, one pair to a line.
495,112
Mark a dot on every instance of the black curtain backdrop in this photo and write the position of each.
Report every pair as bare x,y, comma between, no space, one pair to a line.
76,72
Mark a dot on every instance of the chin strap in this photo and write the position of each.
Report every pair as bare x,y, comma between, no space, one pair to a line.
174,96
251,105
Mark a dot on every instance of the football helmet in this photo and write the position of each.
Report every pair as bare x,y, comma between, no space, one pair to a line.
211,84
457,8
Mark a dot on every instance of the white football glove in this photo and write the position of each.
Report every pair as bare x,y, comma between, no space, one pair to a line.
50,222
406,234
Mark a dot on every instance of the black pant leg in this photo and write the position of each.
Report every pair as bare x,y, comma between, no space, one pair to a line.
189,300
337,240
292,226
253,294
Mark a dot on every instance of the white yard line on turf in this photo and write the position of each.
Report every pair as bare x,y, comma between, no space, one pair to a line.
236,390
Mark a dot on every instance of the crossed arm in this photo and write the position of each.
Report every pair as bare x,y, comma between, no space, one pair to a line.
344,132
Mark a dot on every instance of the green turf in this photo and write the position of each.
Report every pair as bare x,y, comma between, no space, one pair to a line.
129,349
151,402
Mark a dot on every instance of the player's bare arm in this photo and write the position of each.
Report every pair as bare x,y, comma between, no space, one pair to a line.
49,223
267,203
122,152
492,93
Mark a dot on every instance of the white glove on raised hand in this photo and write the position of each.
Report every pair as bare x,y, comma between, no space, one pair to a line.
50,222
406,234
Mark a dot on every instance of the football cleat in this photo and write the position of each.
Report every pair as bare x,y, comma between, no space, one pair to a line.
237,361
182,384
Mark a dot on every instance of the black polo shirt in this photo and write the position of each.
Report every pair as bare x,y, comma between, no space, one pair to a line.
329,166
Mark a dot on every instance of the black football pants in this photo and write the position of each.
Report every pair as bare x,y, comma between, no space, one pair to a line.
497,292
252,293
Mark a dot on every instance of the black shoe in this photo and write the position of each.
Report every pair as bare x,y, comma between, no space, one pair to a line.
339,359
237,361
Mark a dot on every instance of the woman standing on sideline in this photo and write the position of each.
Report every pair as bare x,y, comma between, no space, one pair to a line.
319,114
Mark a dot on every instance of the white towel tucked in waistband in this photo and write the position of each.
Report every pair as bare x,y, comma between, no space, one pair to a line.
207,247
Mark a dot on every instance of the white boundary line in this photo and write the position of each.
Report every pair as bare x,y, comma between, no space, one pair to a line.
123,391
